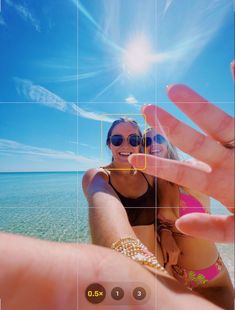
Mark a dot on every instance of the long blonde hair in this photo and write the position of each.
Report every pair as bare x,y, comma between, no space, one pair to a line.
171,149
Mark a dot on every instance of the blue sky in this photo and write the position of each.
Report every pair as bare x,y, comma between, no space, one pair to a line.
66,64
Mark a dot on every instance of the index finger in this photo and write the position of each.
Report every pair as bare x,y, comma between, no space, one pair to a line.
212,120
185,137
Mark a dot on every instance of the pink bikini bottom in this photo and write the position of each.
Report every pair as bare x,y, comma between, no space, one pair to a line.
196,278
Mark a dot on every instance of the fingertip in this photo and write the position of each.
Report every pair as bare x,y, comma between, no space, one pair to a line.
131,158
174,87
137,160
179,93
172,91
142,110
178,224
182,224
146,107
169,87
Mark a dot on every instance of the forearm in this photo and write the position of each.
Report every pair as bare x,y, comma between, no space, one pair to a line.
108,219
36,274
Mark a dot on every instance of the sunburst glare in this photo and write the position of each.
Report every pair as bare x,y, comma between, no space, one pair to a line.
138,56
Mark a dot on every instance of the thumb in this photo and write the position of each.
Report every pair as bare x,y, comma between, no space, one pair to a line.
137,160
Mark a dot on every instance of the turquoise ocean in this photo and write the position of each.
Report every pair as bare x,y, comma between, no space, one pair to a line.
51,205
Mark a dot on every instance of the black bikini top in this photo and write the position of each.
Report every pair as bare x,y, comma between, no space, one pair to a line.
140,210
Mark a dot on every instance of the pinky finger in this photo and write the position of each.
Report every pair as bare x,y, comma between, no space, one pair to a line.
217,228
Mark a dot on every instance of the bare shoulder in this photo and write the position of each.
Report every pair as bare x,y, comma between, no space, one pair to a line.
92,174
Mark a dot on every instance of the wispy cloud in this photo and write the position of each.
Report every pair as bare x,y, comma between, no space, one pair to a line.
194,26
84,145
40,95
92,115
133,101
25,14
100,30
16,148
167,5
73,77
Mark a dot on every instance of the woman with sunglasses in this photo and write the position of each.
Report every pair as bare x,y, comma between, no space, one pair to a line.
194,262
122,199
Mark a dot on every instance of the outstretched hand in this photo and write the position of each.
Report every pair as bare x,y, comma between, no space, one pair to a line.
216,178
36,274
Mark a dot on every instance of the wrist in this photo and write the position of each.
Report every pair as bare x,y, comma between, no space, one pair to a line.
165,231
164,226
137,251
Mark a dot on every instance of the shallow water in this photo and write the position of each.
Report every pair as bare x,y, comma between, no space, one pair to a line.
45,205
52,206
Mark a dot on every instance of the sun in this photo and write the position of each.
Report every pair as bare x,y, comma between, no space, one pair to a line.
138,56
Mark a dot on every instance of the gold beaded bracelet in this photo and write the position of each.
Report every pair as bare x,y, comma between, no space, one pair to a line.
135,249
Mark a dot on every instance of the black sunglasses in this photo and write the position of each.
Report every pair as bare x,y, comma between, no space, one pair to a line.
159,139
133,140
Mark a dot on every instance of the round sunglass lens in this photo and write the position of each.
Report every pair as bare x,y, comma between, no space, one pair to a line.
116,140
134,140
159,139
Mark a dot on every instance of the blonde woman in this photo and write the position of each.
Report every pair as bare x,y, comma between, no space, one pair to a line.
195,262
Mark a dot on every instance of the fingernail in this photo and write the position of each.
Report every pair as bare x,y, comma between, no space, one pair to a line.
181,94
146,105
143,107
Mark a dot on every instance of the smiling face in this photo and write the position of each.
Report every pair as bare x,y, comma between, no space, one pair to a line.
157,149
120,153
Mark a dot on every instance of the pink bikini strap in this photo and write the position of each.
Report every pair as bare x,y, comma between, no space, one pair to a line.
189,204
